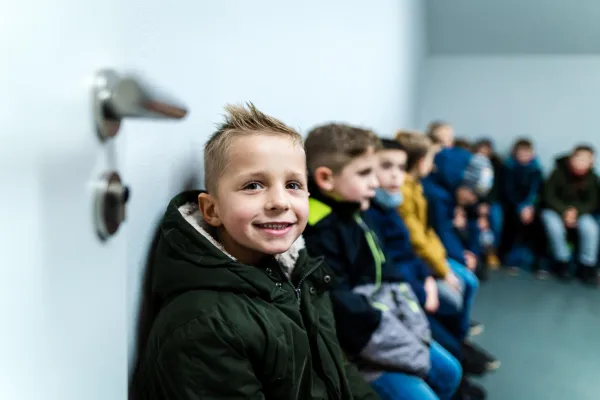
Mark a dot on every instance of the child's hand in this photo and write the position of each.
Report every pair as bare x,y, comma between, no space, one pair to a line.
432,303
452,280
483,210
527,215
471,260
460,219
483,223
570,217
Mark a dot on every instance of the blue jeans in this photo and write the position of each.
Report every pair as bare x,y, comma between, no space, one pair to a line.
588,232
441,382
471,285
496,222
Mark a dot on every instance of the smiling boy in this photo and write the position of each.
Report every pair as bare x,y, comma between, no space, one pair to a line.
244,312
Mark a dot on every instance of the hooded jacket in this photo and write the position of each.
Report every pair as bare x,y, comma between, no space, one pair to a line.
414,211
521,184
439,189
563,189
226,330
395,239
374,332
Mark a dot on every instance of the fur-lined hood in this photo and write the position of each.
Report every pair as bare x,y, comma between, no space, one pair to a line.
189,256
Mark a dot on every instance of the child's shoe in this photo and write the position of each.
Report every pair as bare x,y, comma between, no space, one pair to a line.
542,274
493,261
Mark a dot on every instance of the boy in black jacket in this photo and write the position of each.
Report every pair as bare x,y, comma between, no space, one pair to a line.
391,342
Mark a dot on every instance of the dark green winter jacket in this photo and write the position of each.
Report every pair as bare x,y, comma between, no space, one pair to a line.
231,331
563,190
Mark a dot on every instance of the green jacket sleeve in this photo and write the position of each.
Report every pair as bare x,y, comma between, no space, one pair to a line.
206,360
361,390
551,193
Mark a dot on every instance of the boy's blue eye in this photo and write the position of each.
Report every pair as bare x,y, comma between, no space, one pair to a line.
294,186
252,186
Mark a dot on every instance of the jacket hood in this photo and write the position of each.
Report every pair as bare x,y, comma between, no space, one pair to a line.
189,256
450,166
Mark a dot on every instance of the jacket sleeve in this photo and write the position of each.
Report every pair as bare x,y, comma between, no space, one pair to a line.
508,188
361,390
534,190
445,229
206,360
590,204
356,319
420,236
551,197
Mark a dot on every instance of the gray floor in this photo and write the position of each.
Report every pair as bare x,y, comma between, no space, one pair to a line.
545,333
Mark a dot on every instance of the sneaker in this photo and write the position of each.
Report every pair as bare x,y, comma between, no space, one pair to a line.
470,391
493,262
480,357
513,271
475,329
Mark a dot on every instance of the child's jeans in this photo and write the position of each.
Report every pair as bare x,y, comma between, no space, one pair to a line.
441,382
588,235
496,222
471,285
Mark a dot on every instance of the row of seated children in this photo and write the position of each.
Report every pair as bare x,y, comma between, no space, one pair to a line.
355,309
533,218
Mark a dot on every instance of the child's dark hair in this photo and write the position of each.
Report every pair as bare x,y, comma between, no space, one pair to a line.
522,144
583,147
463,144
485,142
390,144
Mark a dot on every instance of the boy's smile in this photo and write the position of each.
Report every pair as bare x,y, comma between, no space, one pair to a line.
261,205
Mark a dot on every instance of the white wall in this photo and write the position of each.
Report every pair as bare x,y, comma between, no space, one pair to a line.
553,99
303,62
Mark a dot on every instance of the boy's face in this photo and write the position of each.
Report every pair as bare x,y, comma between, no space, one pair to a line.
465,196
357,181
581,162
391,169
261,205
524,155
485,151
445,134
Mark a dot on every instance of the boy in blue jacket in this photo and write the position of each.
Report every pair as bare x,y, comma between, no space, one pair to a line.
389,342
521,186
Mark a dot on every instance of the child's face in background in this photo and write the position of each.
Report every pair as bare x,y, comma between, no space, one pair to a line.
485,151
391,169
262,197
357,181
445,135
581,162
524,155
465,196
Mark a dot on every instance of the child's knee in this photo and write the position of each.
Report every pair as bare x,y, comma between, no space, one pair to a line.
588,227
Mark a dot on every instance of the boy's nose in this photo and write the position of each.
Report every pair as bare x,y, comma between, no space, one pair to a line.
277,200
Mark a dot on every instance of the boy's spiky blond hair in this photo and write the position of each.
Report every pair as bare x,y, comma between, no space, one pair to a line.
239,121
417,146
334,145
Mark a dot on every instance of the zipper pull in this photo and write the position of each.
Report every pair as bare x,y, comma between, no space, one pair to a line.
298,294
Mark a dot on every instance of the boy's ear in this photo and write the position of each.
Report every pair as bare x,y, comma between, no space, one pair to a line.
324,178
208,208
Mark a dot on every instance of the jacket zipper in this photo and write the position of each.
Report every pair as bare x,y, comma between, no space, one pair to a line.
297,288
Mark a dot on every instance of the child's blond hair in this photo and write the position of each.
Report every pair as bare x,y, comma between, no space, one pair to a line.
417,146
240,120
335,145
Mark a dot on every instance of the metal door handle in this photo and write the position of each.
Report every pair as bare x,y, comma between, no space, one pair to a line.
116,97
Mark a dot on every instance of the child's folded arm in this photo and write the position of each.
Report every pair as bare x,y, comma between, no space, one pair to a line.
447,233
206,360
